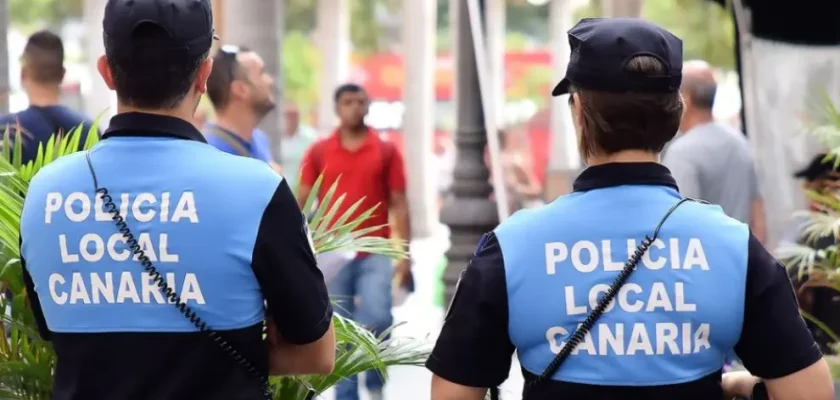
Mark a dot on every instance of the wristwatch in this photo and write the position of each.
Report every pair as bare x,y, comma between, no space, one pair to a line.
760,392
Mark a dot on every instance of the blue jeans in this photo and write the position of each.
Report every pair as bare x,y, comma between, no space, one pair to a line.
369,278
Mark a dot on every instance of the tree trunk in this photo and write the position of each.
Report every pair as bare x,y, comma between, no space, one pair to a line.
333,39
564,160
418,35
257,24
99,98
622,8
4,61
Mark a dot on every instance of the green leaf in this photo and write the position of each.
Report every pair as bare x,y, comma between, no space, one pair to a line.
27,362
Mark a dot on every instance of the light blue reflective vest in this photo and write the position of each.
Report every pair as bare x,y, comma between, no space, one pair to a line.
674,320
175,195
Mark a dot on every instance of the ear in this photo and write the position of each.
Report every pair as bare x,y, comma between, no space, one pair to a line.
63,72
686,101
23,74
577,111
240,89
105,72
202,75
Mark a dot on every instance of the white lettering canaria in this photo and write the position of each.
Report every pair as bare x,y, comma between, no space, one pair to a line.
126,287
145,207
586,256
630,339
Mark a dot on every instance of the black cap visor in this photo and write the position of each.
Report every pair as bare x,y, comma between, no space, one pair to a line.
564,87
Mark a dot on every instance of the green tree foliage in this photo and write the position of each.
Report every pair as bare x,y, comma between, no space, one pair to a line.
705,27
299,15
49,12
301,63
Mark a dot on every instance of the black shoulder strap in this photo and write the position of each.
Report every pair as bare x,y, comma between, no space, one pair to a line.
231,141
387,150
596,313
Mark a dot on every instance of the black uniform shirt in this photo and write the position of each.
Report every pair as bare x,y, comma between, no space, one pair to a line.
474,348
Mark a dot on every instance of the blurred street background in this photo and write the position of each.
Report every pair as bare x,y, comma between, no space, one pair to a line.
441,91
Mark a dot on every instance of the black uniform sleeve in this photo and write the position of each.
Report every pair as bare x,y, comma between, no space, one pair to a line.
474,348
775,341
285,266
34,301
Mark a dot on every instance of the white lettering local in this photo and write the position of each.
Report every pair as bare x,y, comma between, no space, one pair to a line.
96,288
587,256
630,339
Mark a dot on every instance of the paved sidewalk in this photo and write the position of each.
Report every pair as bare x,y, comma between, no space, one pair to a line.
421,319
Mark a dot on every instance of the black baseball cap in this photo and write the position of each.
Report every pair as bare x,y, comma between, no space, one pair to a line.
601,47
818,168
188,23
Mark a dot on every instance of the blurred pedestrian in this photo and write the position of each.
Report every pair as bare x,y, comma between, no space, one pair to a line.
242,93
710,160
296,139
371,170
819,300
219,244
41,74
624,289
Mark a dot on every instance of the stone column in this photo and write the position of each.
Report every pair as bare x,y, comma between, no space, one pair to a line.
496,16
564,159
98,98
257,24
418,35
468,211
333,38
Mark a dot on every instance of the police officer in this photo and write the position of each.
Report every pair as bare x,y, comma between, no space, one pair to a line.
132,249
702,284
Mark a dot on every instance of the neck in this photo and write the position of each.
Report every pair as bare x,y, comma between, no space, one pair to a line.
44,96
626,156
695,118
178,112
353,132
240,122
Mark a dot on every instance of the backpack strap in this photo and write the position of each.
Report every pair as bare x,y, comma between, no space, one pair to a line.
387,149
228,138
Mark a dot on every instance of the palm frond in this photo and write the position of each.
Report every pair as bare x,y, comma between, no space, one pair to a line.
27,362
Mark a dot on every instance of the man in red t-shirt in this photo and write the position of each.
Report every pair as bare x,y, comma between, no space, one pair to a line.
370,169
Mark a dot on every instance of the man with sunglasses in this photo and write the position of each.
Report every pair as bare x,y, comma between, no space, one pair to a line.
242,93
149,261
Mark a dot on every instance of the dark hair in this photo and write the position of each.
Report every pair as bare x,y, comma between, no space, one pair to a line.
151,79
613,122
702,94
346,88
44,57
226,69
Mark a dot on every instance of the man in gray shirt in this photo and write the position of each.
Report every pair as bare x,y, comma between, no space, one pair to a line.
711,161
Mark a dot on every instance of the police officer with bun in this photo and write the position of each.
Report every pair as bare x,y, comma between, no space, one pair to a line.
623,289
148,260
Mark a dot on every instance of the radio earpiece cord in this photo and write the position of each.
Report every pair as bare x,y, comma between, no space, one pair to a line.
170,294
596,313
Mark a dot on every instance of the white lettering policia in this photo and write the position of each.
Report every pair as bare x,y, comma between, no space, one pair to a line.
125,287
621,339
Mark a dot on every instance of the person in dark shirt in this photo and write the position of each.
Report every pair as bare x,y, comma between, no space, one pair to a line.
597,298
128,327
823,303
42,70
